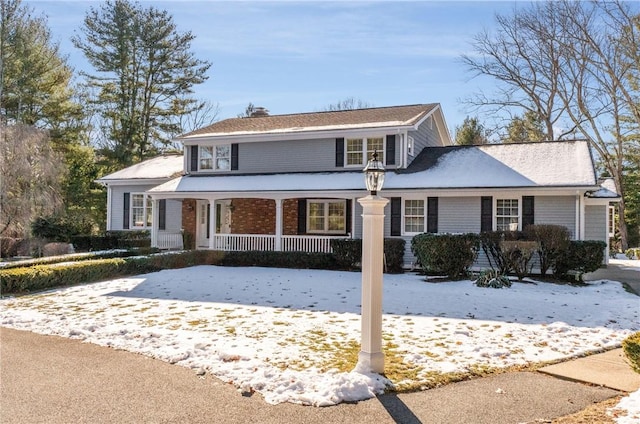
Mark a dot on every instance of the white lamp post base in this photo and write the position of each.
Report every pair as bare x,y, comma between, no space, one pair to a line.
371,358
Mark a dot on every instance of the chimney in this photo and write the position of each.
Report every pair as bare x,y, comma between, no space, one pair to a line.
259,111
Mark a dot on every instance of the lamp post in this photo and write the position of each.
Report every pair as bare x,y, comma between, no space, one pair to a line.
371,358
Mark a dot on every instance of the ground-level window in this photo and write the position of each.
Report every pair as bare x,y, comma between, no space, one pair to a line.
413,216
141,208
356,149
215,158
507,214
326,216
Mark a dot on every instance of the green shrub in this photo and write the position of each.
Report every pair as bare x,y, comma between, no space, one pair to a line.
299,260
449,254
551,240
631,348
517,255
492,278
394,254
633,253
580,257
348,253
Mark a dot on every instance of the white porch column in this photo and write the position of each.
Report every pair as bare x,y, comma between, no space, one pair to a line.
213,218
278,241
155,221
371,358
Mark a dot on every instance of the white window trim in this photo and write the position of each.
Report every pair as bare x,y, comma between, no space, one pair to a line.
147,203
611,221
424,217
214,158
326,203
495,211
365,141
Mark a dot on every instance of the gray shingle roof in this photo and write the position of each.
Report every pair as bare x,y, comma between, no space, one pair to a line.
371,117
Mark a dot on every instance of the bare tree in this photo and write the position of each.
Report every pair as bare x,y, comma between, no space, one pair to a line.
571,64
30,178
350,103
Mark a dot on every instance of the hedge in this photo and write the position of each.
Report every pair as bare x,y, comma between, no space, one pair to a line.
631,348
39,277
449,254
581,256
272,259
348,253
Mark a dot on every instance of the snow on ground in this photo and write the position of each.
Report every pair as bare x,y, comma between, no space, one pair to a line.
280,332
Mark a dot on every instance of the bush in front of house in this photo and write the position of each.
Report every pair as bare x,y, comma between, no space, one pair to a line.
551,239
581,256
632,253
492,278
448,254
492,243
348,253
38,277
517,255
394,254
272,259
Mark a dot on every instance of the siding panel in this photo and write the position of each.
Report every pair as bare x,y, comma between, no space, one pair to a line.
595,223
459,215
556,210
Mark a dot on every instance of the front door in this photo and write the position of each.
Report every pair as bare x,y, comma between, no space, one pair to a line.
203,216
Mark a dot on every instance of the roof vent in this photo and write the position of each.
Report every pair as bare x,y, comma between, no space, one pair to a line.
259,111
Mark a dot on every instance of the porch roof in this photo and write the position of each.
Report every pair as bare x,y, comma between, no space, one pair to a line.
530,165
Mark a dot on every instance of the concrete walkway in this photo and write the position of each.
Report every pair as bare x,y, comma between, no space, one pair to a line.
617,271
48,379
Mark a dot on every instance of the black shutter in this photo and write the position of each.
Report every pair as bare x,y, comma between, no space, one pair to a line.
486,213
339,152
432,215
162,214
348,216
125,212
194,158
390,154
302,216
234,157
527,211
396,216
208,220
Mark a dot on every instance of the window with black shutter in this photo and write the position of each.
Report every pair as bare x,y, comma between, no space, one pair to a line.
396,216
339,152
432,215
302,216
486,213
390,155
125,211
194,159
527,211
234,157
162,214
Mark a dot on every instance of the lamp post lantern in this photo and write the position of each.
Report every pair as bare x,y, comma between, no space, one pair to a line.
371,358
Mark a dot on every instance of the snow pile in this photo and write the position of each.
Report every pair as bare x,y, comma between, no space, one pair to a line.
281,332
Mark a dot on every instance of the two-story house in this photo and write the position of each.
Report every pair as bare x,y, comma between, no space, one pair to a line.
290,182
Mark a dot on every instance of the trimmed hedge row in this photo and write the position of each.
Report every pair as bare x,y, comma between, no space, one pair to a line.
448,254
108,254
39,277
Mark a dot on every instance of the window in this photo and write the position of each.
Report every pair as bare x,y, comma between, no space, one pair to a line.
326,216
358,148
215,158
507,215
141,207
413,216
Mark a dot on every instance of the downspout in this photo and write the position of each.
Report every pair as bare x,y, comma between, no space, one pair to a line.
109,194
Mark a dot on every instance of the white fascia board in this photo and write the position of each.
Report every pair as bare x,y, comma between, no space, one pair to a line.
284,136
133,181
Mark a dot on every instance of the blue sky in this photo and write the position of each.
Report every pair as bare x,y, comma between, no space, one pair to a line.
301,56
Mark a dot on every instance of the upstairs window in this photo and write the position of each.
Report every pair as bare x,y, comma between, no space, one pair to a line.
214,158
507,214
357,149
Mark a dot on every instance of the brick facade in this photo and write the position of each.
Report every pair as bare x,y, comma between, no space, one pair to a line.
189,222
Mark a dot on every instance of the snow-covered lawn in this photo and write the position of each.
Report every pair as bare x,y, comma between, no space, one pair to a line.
283,332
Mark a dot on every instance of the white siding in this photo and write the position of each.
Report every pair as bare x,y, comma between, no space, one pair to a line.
174,214
426,135
287,156
459,215
596,223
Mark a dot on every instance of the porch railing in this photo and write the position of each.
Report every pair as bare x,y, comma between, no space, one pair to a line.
169,240
243,242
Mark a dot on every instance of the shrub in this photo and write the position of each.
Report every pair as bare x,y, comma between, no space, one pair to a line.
581,256
394,254
633,253
299,260
56,249
517,256
551,240
491,243
8,247
631,347
449,254
492,278
347,252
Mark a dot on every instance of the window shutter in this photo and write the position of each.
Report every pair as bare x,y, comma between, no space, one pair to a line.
390,154
194,159
302,216
396,216
208,220
432,215
486,213
348,215
125,211
162,214
339,152
234,157
527,211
